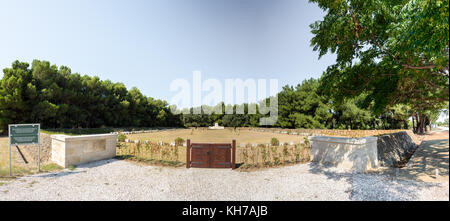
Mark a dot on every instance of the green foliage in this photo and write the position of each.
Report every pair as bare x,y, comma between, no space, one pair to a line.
306,106
57,98
51,167
285,153
297,153
394,52
303,106
307,143
121,137
44,93
245,155
179,141
274,141
264,153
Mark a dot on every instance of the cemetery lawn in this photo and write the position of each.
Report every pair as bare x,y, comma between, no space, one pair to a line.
241,135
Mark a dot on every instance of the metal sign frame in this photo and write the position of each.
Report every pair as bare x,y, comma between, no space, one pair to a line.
31,143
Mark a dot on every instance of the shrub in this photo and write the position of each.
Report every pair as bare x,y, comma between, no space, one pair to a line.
297,153
285,153
253,156
307,143
274,142
245,155
179,141
264,154
121,137
276,159
138,148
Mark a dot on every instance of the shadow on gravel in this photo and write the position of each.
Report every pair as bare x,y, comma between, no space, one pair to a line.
372,187
59,174
82,166
431,155
317,168
97,163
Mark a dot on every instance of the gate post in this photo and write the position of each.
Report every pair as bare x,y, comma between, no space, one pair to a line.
188,153
233,153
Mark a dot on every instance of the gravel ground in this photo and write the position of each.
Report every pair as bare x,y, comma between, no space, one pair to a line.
121,180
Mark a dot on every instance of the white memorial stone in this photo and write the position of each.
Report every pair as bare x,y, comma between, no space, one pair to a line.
216,127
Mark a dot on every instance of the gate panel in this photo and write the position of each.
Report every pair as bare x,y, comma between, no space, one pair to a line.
200,155
221,156
210,155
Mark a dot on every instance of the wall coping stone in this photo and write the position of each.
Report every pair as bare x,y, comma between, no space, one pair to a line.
63,137
344,140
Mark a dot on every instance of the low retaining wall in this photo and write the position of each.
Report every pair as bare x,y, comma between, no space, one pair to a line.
395,150
74,150
358,154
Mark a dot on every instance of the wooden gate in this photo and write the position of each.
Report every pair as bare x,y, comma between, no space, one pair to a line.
211,155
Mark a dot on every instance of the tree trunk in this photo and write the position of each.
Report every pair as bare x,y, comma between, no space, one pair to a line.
427,124
421,122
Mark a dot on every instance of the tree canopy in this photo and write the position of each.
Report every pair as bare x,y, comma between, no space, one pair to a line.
57,98
394,51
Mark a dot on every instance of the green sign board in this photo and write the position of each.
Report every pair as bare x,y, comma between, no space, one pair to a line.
24,134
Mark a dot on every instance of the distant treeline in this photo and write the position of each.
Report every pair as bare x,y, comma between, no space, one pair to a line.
304,106
57,98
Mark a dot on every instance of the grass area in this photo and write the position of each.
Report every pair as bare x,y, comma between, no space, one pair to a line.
51,167
87,131
71,167
4,162
74,132
203,134
250,135
241,135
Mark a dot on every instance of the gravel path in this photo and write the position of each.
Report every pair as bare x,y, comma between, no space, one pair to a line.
121,180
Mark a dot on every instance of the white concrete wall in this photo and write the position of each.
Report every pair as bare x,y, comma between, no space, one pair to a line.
357,154
74,150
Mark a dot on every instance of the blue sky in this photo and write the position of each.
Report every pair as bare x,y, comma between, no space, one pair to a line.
149,43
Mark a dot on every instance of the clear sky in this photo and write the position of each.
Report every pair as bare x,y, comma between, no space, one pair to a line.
149,43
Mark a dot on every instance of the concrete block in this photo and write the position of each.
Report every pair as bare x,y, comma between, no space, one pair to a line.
357,154
74,150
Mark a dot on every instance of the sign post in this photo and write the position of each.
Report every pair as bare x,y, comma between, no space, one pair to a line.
24,134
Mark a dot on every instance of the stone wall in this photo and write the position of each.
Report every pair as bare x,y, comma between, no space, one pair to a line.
75,150
394,150
357,154
30,152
